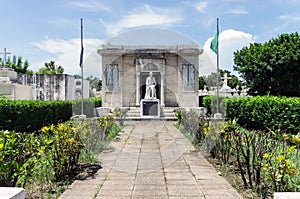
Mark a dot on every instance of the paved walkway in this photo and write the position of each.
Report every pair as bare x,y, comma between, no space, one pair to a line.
152,159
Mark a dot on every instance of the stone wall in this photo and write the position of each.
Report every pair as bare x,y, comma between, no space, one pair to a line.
16,91
172,85
54,87
128,80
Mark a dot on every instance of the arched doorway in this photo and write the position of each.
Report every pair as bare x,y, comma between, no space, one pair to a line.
143,69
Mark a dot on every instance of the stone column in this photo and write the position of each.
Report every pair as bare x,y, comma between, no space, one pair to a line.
162,92
137,103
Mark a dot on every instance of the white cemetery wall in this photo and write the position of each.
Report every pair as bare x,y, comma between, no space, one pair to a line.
16,91
22,92
86,88
6,90
59,92
70,88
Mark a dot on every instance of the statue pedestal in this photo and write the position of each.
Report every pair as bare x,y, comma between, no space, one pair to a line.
150,108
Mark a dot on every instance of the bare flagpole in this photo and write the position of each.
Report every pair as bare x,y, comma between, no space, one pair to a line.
81,65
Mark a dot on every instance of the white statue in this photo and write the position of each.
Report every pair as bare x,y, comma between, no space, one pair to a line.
150,87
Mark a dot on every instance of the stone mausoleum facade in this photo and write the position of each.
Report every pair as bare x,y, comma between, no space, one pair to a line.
126,67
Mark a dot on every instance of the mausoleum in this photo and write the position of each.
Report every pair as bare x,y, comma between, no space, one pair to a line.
9,86
125,68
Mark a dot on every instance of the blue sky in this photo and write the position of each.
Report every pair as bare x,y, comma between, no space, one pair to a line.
40,30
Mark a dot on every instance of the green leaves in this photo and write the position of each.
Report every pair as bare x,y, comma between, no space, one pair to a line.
62,144
18,65
31,115
266,112
51,68
15,152
272,67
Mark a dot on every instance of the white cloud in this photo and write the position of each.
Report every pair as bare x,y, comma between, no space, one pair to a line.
229,41
238,11
67,53
144,16
201,6
290,18
90,5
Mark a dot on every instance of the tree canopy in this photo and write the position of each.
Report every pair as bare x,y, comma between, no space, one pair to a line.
95,82
18,65
272,67
51,68
211,80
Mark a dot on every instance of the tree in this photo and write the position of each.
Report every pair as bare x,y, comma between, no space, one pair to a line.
211,80
95,82
51,68
234,81
271,68
202,83
18,65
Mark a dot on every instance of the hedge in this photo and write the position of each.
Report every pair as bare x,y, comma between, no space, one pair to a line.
31,115
210,102
263,112
89,105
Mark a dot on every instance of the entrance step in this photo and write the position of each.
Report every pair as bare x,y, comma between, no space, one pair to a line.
134,113
167,113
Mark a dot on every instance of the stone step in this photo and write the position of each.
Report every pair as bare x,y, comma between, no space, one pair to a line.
167,113
12,193
134,113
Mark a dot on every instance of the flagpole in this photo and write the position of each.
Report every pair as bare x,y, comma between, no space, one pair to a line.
81,65
218,66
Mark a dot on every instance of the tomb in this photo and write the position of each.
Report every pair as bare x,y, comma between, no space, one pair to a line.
174,68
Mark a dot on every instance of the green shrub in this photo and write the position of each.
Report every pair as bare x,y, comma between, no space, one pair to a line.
193,124
17,152
210,102
266,112
89,105
21,152
267,161
42,160
32,115
98,101
95,134
62,144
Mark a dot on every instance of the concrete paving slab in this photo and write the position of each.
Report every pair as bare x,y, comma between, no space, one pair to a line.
115,192
152,159
150,196
150,192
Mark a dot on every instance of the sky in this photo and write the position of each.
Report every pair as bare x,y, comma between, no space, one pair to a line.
43,30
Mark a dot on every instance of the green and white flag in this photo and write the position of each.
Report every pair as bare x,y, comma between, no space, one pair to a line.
215,42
